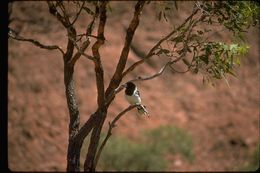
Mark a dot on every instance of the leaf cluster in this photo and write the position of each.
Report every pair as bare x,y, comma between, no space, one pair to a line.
237,16
213,59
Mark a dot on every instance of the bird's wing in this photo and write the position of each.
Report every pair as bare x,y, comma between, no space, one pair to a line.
137,93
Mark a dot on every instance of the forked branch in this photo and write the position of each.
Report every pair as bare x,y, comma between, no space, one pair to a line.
77,15
156,46
109,132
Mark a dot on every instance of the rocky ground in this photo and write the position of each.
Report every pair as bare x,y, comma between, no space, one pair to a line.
223,121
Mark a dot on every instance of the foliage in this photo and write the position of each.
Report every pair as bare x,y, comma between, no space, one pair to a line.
234,15
254,161
121,154
213,59
170,139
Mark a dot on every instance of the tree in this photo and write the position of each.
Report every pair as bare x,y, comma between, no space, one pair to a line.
185,43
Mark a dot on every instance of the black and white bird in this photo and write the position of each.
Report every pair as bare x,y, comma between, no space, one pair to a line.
132,95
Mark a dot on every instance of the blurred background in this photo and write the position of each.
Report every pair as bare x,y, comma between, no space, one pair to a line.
192,126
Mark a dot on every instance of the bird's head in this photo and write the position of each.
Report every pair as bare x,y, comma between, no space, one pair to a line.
130,87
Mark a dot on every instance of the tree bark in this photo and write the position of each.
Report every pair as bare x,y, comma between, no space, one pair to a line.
102,109
117,77
72,154
73,151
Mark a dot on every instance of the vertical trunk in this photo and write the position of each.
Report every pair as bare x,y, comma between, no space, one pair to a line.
73,156
73,153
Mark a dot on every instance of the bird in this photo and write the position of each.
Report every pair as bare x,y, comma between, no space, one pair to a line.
132,95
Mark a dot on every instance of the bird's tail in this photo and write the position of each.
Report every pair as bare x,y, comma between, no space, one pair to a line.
142,110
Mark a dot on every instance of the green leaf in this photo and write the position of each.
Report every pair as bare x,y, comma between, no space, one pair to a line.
233,74
224,77
205,59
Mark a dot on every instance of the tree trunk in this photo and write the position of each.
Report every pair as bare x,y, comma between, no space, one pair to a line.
89,164
73,153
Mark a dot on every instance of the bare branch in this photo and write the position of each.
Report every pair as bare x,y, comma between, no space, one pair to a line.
86,128
109,132
160,72
174,70
77,15
86,43
140,78
152,51
80,51
12,34
53,10
101,112
95,50
117,77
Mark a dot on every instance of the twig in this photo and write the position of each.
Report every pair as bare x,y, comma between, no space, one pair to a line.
160,72
53,10
12,34
151,52
87,42
109,132
95,51
82,35
174,70
80,51
77,15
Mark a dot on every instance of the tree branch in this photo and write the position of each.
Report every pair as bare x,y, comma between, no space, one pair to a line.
85,43
53,10
95,50
117,77
174,70
77,15
109,133
102,110
169,63
142,78
86,128
139,78
160,72
80,52
152,51
12,34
